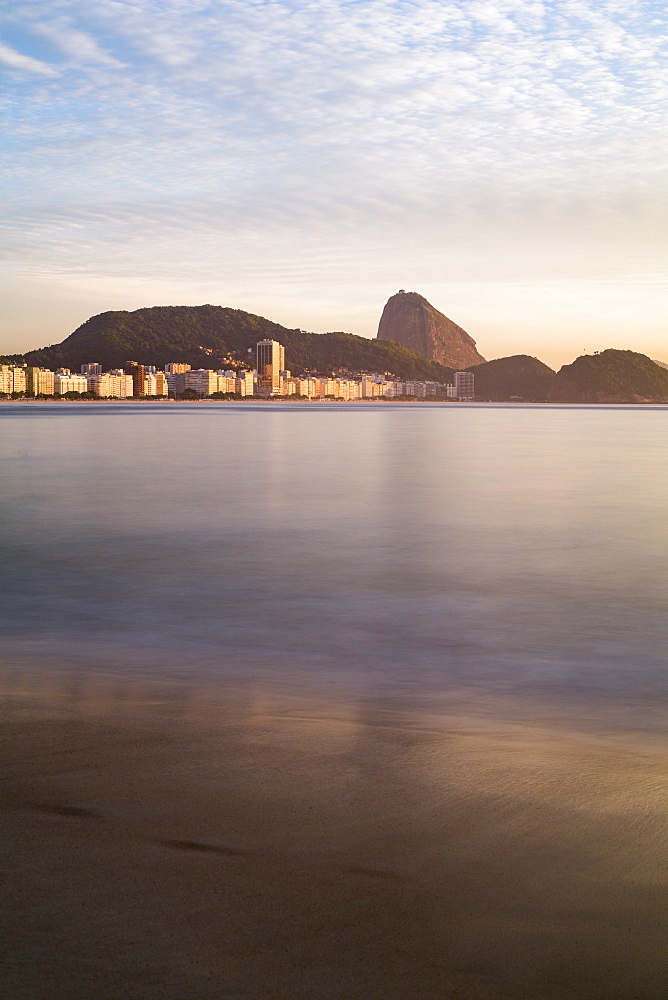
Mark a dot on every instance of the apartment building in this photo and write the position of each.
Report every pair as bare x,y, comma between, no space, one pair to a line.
245,383
371,388
155,384
465,386
111,385
201,380
227,383
39,382
12,379
176,381
306,386
64,382
20,380
138,372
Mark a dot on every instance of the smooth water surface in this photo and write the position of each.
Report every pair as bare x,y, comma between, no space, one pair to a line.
507,550
325,701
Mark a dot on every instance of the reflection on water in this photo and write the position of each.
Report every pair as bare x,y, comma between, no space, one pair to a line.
308,701
506,550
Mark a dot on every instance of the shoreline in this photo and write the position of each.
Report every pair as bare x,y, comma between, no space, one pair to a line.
374,401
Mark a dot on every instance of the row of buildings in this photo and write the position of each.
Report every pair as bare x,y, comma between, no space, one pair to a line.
270,378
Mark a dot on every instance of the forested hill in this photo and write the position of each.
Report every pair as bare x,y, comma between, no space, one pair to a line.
610,377
516,377
211,336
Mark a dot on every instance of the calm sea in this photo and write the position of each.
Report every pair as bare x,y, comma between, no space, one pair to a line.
513,551
310,701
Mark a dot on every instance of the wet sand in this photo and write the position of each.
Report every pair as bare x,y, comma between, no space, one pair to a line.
172,840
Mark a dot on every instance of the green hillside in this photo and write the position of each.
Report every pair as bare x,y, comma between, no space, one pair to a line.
519,376
209,336
610,377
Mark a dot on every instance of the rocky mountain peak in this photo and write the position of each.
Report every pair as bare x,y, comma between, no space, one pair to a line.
410,320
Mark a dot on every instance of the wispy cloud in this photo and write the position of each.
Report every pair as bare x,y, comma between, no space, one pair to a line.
79,45
479,135
18,60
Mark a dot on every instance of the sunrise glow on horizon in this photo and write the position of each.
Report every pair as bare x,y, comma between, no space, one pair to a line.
306,160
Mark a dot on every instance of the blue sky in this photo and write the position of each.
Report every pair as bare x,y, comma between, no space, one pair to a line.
304,160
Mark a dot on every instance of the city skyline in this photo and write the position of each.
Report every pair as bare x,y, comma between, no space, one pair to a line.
303,163
270,379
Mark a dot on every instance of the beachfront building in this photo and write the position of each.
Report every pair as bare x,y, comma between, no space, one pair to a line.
137,372
465,386
347,388
12,379
176,381
206,382
327,387
175,377
111,385
19,381
416,389
305,385
239,382
155,384
92,368
270,364
64,381
203,381
245,383
371,388
39,382
227,382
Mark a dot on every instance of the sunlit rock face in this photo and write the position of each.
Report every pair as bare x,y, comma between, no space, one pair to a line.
410,320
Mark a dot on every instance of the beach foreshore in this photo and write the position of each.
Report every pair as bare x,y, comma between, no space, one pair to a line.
209,840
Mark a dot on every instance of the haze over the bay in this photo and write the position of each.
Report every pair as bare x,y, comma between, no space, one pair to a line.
305,160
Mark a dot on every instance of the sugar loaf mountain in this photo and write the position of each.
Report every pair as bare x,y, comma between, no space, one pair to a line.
414,341
410,320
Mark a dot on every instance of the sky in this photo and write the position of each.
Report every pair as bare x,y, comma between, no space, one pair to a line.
305,160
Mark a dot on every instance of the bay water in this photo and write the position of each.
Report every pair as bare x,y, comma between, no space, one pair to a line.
384,684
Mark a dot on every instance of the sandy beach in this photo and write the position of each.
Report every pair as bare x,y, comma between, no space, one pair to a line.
163,840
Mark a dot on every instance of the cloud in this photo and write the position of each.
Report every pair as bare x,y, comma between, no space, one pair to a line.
81,47
17,60
497,135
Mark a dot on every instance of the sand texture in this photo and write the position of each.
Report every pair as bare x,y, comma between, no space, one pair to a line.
164,841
